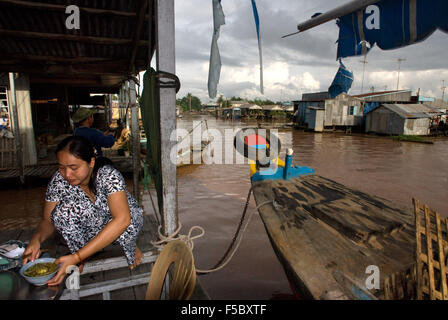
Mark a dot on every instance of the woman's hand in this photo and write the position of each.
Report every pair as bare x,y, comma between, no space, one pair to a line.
64,262
32,252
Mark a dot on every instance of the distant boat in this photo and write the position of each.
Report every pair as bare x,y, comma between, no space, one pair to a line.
189,156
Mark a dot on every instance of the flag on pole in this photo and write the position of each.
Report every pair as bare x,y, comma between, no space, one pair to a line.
257,25
215,59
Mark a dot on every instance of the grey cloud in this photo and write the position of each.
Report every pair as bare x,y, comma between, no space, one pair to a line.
312,51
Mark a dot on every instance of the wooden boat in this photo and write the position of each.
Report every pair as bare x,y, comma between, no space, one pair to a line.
328,236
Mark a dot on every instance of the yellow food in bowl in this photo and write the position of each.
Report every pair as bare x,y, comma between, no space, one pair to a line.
41,269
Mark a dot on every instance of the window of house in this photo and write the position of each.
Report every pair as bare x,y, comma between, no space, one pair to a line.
352,110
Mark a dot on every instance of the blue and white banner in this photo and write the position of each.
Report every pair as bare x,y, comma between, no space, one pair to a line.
342,82
257,25
390,24
215,59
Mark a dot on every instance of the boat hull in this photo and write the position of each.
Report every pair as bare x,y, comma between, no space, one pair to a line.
326,236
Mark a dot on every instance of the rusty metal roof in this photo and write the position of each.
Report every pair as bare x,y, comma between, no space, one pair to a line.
112,41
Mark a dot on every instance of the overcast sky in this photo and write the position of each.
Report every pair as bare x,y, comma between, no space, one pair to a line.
298,64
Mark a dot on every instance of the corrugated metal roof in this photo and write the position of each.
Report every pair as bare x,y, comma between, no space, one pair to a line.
272,107
412,110
380,93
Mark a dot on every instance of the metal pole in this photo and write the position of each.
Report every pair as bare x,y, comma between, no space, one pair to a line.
399,63
166,62
363,71
135,134
443,90
335,13
18,139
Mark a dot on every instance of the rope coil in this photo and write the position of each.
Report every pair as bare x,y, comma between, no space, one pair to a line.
188,239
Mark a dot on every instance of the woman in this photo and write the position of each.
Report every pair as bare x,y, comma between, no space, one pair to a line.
88,203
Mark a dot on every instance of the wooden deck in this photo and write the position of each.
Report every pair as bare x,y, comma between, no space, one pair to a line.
326,235
108,278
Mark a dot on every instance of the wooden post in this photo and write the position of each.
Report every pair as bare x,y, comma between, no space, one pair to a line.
25,120
135,134
126,102
166,62
17,136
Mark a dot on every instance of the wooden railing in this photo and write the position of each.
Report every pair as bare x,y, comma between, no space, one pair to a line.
8,153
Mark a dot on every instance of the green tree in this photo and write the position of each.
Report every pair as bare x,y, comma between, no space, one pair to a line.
223,102
189,103
261,102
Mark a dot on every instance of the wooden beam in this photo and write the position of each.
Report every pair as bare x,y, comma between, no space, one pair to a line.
87,82
58,7
68,37
135,135
17,135
138,29
55,59
105,69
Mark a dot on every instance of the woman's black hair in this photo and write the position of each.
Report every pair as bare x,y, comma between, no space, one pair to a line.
82,148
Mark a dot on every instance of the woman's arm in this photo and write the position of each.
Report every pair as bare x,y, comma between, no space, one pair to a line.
44,230
121,219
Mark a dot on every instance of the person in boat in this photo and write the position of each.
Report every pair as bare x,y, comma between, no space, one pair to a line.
88,203
83,120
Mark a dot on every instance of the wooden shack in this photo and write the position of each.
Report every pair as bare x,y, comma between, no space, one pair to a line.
400,119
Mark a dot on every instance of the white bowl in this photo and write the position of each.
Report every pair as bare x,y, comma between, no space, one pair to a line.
41,280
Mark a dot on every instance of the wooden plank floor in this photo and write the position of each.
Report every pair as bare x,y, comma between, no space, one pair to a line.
57,248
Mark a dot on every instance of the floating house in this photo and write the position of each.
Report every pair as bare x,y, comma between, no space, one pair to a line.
249,109
401,119
318,112
344,110
316,99
270,110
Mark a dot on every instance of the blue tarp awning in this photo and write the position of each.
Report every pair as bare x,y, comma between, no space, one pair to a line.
390,24
342,82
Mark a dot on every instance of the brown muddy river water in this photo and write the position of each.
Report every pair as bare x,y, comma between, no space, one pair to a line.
213,197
